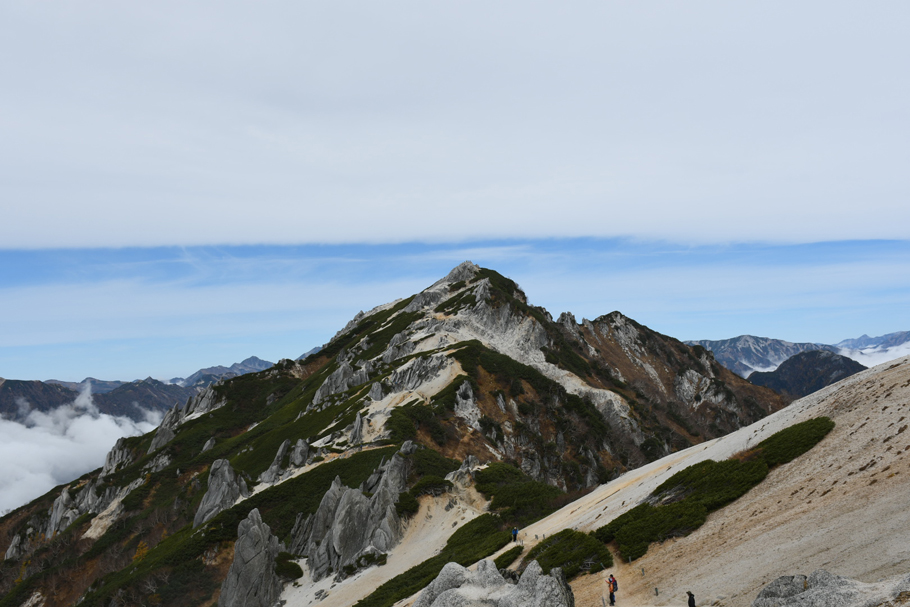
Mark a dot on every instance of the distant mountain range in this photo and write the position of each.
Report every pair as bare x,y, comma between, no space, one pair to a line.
205,377
807,372
130,399
747,354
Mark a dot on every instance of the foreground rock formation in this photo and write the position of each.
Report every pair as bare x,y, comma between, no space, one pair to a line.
252,581
456,586
225,487
826,589
351,529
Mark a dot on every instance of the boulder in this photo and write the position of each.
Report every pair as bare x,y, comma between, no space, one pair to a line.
824,589
456,586
251,580
208,444
300,452
225,487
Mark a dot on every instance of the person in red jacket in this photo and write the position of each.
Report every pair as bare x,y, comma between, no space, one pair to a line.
612,586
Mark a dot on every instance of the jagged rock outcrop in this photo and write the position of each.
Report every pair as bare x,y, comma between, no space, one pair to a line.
204,402
416,372
376,391
348,525
399,346
456,586
208,445
824,589
357,431
466,407
338,381
20,545
300,452
275,471
251,580
63,512
225,487
67,507
464,476
118,457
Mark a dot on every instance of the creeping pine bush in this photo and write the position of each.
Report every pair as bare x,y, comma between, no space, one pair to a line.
570,550
508,557
514,495
286,568
682,503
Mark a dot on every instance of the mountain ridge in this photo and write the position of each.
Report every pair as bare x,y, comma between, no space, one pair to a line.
463,373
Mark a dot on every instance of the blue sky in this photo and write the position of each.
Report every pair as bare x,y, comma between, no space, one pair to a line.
183,185
165,312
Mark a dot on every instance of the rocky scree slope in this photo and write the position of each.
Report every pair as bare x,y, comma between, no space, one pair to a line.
465,370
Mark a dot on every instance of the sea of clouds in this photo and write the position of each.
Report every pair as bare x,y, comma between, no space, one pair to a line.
54,447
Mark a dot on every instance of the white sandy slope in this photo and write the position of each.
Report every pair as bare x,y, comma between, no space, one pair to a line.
843,506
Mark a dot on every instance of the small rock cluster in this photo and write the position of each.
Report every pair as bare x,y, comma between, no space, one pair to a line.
456,586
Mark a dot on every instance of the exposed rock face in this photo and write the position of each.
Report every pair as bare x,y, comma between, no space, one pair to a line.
824,589
252,581
465,407
67,508
300,452
416,372
338,381
456,586
208,444
117,457
357,431
349,525
275,471
225,487
464,476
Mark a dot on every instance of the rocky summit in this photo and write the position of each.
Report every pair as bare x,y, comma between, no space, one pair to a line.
422,432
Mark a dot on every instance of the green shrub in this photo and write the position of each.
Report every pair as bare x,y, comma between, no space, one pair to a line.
517,498
427,462
789,444
430,485
684,501
570,550
508,557
407,505
286,568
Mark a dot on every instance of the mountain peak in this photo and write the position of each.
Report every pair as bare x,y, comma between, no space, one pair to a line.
464,271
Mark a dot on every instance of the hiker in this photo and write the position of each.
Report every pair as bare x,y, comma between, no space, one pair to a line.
691,598
612,586
514,534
